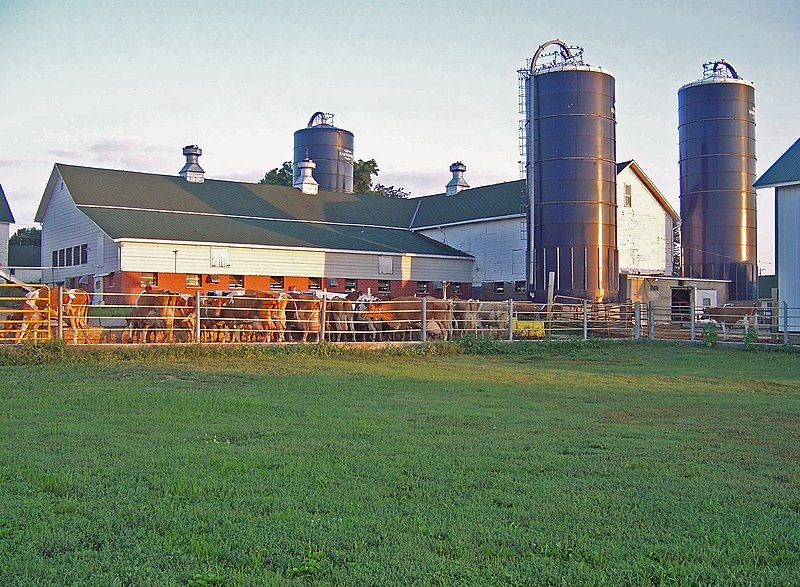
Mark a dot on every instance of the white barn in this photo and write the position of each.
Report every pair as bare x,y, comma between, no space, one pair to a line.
784,176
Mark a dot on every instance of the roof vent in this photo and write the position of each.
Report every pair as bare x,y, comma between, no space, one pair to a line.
192,171
306,182
457,183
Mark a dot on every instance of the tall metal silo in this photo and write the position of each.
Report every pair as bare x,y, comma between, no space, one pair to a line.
717,142
330,148
570,145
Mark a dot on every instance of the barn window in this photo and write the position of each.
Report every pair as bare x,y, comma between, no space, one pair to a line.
314,283
219,258
499,286
422,287
61,257
383,286
68,261
146,279
54,262
332,282
235,281
628,195
276,282
84,254
385,265
213,279
455,288
519,287
350,285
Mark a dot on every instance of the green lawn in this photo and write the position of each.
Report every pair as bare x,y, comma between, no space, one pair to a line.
616,464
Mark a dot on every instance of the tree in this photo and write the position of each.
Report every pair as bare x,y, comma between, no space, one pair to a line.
363,172
362,175
283,175
26,236
391,191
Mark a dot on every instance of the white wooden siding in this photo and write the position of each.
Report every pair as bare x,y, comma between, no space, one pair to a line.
787,249
191,258
644,230
64,225
4,230
497,245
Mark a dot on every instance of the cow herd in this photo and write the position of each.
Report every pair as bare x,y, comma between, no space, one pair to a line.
250,316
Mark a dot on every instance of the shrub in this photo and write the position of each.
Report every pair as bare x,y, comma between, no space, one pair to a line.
709,336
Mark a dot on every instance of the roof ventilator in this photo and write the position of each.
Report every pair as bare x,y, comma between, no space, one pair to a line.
192,171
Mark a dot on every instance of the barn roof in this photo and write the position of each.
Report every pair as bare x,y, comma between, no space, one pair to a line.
5,209
183,227
148,191
786,170
24,255
508,198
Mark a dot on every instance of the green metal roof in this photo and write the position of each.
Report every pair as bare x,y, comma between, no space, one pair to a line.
171,226
110,187
5,209
785,170
490,201
24,255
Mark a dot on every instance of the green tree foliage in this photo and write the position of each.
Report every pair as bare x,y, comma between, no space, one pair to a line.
362,175
283,175
390,191
26,236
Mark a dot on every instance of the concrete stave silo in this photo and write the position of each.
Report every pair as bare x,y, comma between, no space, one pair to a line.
330,148
716,127
571,176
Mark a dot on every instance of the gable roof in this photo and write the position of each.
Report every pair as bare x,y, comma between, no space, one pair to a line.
5,209
490,201
785,170
90,186
125,224
648,183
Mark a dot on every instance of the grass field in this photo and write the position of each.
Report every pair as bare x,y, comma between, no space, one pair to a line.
608,465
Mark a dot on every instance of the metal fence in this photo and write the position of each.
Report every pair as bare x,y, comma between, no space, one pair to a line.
35,312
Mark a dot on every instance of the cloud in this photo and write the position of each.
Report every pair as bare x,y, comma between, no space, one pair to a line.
12,161
66,153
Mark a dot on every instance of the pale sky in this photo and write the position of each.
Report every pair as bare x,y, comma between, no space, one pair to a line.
127,84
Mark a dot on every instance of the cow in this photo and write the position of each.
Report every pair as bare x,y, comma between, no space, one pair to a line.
162,311
465,316
303,315
493,317
339,320
402,316
213,327
256,316
730,315
41,304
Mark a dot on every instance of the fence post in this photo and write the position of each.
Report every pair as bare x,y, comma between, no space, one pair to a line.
423,335
785,323
692,310
197,316
60,316
585,320
511,320
637,320
323,307
651,320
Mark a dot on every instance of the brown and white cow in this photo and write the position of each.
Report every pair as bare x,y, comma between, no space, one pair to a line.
163,312
256,316
40,305
303,316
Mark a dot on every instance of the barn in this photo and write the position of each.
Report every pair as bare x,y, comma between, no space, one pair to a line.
119,231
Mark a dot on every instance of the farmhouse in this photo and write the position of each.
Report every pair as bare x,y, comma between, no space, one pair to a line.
119,231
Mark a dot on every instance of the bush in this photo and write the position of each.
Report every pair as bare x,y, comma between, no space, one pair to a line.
709,336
